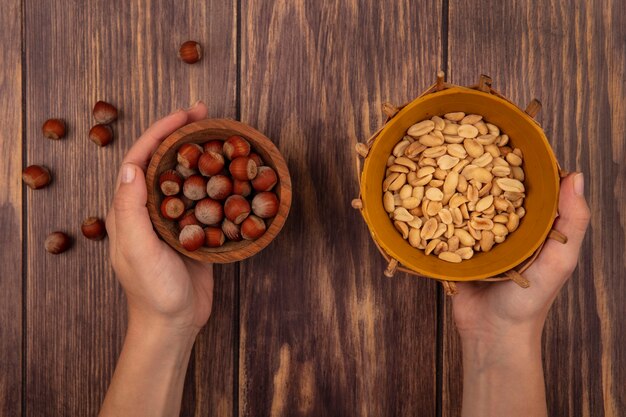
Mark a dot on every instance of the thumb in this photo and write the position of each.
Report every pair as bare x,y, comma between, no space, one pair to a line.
132,221
573,210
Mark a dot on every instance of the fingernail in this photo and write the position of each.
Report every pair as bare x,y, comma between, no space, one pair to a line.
579,184
194,105
128,173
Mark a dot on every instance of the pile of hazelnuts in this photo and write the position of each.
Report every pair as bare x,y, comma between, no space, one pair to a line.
220,191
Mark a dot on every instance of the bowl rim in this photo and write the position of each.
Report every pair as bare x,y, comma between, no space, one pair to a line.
228,127
390,250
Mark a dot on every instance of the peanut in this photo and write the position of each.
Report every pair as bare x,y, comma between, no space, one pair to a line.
454,185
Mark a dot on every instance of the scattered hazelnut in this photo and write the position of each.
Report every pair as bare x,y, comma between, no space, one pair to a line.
265,179
209,211
93,228
192,237
256,158
36,176
214,146
104,112
214,237
219,187
236,146
188,155
231,230
242,188
243,168
265,204
190,52
187,219
170,182
210,163
172,208
194,187
185,172
57,242
53,129
252,228
101,134
236,208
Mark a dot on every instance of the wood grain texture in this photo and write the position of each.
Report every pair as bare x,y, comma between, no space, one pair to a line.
11,142
323,332
124,52
573,59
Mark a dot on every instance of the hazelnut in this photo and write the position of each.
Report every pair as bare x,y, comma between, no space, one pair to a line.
252,228
236,208
172,208
231,230
210,163
188,155
242,188
256,158
36,176
191,237
265,204
101,134
236,146
57,242
185,172
170,182
93,228
219,187
187,219
104,112
265,179
194,187
214,146
53,129
243,168
209,211
214,237
190,52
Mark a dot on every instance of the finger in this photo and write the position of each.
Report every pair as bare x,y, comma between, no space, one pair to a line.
132,221
197,112
556,259
573,217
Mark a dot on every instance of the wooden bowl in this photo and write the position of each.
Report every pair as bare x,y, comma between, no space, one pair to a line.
541,183
199,132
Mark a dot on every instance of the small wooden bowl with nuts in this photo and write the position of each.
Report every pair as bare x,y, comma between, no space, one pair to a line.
218,190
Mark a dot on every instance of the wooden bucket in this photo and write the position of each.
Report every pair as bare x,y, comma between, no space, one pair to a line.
506,260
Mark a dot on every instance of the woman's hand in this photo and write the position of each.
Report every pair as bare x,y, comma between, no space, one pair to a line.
169,297
492,309
161,286
501,324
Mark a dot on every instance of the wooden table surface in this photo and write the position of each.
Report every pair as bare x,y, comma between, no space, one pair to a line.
310,326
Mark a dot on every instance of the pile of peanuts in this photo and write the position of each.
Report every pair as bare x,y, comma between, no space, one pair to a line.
454,185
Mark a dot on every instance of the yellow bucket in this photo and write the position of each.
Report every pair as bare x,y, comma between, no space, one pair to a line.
505,260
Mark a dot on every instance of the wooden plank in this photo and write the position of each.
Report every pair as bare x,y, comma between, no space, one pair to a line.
125,53
323,332
573,59
11,141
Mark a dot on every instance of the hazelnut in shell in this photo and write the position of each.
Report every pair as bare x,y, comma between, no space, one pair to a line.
265,204
192,237
236,208
209,211
252,227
